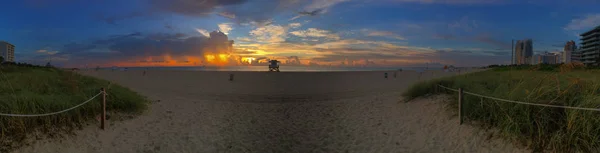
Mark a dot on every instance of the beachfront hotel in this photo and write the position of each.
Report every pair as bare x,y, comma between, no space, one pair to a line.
590,47
524,52
547,58
7,51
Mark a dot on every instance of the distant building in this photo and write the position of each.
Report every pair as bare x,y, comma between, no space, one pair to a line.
7,51
567,55
590,47
558,57
524,52
547,58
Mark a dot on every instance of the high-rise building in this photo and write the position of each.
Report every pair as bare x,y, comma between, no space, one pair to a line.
524,52
7,51
590,47
570,47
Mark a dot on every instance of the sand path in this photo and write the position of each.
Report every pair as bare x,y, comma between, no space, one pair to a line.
277,112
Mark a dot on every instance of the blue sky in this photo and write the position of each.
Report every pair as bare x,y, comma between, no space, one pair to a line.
307,32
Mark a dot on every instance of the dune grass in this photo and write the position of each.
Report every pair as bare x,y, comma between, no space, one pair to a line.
539,128
37,90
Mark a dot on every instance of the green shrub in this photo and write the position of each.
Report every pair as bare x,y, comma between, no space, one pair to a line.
540,128
38,90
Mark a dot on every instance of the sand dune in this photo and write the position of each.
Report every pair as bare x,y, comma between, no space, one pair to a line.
278,112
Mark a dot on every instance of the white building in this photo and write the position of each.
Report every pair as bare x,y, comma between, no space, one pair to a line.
546,58
7,51
590,47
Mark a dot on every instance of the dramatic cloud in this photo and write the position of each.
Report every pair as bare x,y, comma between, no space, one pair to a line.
192,7
323,4
588,22
294,25
387,34
151,49
270,33
317,7
225,27
293,60
227,15
314,32
46,52
244,39
203,32
114,38
452,1
261,12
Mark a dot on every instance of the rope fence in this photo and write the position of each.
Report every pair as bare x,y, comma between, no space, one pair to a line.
53,113
103,116
461,97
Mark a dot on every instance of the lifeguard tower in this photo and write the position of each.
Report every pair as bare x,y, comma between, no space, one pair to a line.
274,65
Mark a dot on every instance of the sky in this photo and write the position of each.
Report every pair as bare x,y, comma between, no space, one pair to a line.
81,33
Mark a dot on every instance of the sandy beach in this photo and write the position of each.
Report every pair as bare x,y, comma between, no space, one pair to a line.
195,111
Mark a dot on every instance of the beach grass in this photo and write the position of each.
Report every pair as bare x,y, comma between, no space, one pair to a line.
539,128
38,90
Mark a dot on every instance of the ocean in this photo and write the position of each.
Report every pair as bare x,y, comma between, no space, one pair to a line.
281,68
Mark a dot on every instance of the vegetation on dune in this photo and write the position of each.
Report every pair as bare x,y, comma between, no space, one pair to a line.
28,89
540,128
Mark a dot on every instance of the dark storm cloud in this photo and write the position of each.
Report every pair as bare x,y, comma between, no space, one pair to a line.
165,36
311,13
151,46
192,7
257,12
115,38
261,12
136,46
293,60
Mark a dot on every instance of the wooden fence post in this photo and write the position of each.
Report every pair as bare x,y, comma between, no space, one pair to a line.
103,117
460,105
